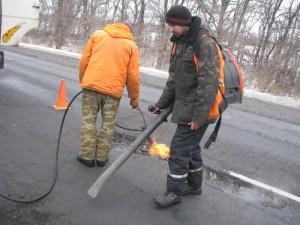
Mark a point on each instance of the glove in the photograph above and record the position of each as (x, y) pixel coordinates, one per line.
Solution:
(194, 125)
(154, 109)
(134, 102)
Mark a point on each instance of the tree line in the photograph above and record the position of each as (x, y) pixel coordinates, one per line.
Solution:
(264, 34)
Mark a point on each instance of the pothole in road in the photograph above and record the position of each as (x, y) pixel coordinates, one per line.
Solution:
(123, 139)
(243, 190)
(223, 181)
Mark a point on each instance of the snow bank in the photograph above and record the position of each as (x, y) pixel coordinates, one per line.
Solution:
(281, 100)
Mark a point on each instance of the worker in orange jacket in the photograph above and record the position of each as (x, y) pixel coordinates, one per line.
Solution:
(109, 62)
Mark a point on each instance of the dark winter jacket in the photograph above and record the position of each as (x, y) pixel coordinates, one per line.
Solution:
(191, 92)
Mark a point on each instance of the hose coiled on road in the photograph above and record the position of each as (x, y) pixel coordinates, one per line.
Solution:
(55, 173)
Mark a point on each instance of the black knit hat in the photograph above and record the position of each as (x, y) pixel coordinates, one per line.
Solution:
(179, 15)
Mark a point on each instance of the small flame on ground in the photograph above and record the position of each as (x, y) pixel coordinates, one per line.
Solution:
(160, 150)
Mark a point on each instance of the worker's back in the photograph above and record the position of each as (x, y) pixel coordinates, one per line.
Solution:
(110, 61)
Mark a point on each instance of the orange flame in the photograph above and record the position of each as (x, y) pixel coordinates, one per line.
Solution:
(160, 150)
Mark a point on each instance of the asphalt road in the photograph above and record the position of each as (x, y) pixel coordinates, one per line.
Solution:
(257, 139)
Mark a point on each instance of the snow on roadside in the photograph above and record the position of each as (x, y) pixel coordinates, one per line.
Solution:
(50, 50)
(280, 100)
(154, 72)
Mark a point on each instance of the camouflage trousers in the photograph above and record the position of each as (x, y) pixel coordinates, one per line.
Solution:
(95, 144)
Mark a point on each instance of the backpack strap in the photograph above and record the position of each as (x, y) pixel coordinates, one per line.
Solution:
(214, 134)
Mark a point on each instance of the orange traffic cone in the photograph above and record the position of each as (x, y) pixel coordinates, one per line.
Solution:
(61, 100)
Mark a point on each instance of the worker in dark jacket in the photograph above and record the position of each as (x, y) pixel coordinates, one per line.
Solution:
(191, 88)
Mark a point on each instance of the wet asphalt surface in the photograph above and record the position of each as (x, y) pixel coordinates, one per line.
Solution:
(257, 139)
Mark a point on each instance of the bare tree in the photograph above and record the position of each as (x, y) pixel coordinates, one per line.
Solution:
(238, 20)
(264, 34)
(59, 24)
(141, 18)
(163, 38)
(282, 52)
(224, 6)
(271, 8)
(207, 11)
(115, 8)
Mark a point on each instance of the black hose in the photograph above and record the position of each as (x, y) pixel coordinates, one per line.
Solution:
(56, 161)
(131, 129)
(57, 154)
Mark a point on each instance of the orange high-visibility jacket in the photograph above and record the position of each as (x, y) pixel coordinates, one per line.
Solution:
(110, 60)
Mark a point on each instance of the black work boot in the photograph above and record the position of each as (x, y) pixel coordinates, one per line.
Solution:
(167, 200)
(101, 163)
(189, 190)
(86, 162)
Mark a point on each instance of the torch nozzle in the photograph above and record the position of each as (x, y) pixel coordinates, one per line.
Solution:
(149, 140)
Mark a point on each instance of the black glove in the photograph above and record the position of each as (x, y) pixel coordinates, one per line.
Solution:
(154, 109)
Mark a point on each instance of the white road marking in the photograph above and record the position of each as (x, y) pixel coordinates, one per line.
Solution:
(265, 186)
